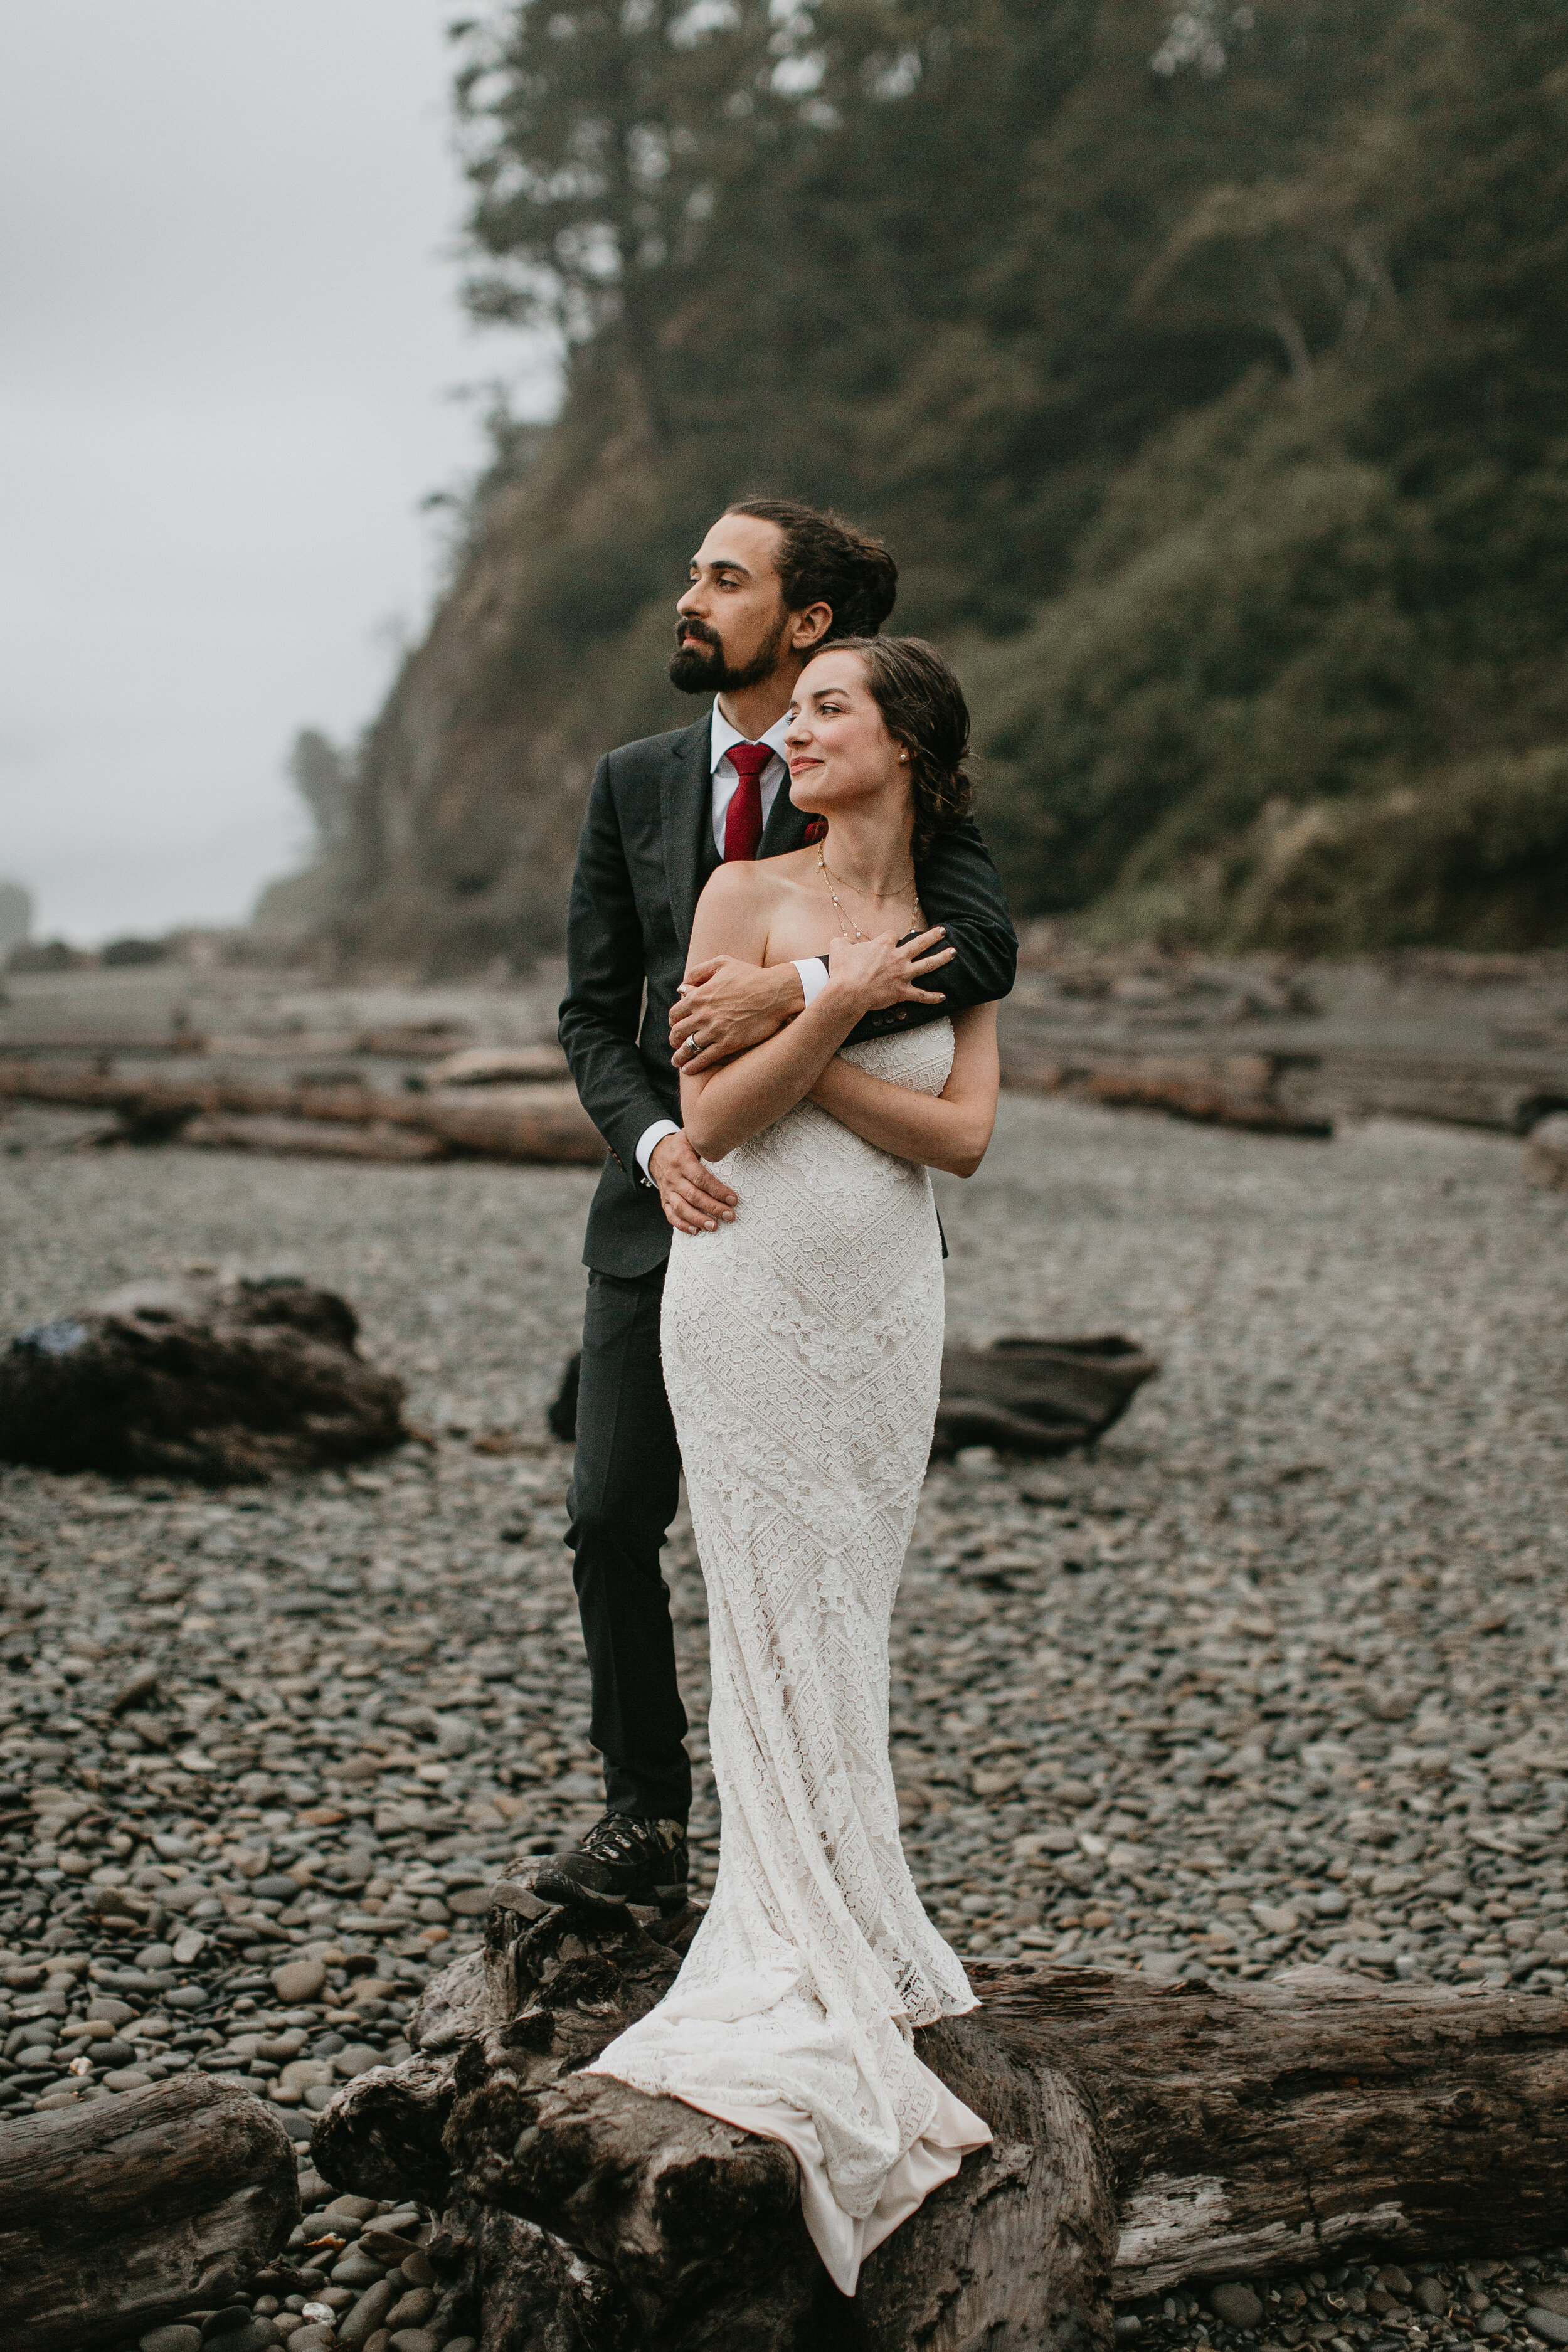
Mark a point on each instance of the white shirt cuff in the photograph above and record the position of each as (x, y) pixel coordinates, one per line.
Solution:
(813, 970)
(649, 1138)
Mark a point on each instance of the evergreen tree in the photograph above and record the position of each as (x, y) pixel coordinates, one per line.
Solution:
(1204, 366)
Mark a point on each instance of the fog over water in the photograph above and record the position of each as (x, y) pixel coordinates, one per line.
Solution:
(230, 339)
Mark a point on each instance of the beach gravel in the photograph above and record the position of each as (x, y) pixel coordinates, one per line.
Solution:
(1276, 1675)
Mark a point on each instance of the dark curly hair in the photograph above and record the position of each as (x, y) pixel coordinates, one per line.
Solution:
(923, 709)
(827, 561)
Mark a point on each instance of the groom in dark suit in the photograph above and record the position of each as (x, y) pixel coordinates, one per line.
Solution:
(772, 583)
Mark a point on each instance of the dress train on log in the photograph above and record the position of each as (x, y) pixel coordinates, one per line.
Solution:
(802, 1354)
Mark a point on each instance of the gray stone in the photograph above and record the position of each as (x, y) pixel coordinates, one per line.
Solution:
(298, 1980)
(255, 2336)
(416, 2340)
(368, 2313)
(171, 2339)
(357, 2269)
(1432, 2295)
(1235, 2303)
(1549, 2324)
(413, 2309)
(346, 2208)
(222, 2323)
(388, 2245)
(357, 2059)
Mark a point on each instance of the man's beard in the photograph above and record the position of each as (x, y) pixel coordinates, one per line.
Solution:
(695, 672)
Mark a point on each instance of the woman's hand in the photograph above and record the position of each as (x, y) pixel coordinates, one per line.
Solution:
(876, 973)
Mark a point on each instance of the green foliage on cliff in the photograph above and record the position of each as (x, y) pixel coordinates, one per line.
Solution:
(1205, 369)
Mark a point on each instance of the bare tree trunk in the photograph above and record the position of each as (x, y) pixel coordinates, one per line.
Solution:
(116, 2215)
(1145, 2133)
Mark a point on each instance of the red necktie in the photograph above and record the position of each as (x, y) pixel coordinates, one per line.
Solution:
(743, 817)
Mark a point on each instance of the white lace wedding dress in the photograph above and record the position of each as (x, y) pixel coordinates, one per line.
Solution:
(802, 1353)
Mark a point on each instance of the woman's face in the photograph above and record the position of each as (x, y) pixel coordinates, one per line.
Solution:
(841, 754)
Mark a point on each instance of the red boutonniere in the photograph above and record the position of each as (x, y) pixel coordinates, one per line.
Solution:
(817, 829)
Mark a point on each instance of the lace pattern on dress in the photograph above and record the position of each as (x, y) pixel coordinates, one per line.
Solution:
(802, 1353)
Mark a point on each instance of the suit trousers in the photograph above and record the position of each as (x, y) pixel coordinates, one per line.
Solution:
(625, 1484)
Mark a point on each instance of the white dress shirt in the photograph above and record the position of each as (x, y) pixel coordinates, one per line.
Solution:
(813, 970)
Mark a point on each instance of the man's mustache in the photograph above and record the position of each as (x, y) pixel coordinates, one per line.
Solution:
(697, 629)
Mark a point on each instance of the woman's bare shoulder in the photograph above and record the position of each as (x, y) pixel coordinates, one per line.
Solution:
(737, 905)
(744, 889)
(739, 882)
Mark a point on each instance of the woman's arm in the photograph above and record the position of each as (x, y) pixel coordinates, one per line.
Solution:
(720, 1108)
(950, 1131)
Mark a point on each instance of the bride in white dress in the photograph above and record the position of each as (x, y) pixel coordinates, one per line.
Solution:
(802, 1352)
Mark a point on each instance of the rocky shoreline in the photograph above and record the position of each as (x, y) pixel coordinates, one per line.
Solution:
(1274, 1677)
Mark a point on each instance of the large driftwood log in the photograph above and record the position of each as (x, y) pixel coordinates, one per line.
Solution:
(197, 1379)
(1546, 1153)
(1036, 1396)
(1028, 1396)
(308, 1138)
(119, 2214)
(1145, 2132)
(539, 1122)
(492, 1066)
(1218, 1090)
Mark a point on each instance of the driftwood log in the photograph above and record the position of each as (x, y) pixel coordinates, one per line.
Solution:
(308, 1138)
(1146, 2132)
(428, 1041)
(1028, 1396)
(1546, 1153)
(1219, 1090)
(197, 1379)
(120, 2214)
(492, 1066)
(538, 1122)
(1037, 1396)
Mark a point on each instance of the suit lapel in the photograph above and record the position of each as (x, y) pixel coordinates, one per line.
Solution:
(686, 799)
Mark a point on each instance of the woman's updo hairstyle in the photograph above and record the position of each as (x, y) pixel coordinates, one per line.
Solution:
(923, 709)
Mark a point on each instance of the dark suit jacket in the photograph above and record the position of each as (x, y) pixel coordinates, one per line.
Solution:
(645, 851)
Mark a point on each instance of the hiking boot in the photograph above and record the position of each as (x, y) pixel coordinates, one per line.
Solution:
(621, 1860)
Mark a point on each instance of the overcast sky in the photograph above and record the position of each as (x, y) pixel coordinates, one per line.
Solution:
(230, 337)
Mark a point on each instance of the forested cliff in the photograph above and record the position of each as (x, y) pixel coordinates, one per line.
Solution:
(1207, 372)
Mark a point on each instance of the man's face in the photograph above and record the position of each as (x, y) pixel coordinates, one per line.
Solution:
(734, 629)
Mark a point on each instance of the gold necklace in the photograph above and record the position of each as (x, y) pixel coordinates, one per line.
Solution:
(846, 923)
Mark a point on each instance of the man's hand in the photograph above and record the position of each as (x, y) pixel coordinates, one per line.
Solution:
(725, 1005)
(690, 1195)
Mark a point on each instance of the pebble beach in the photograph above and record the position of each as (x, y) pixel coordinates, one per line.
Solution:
(1272, 1676)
